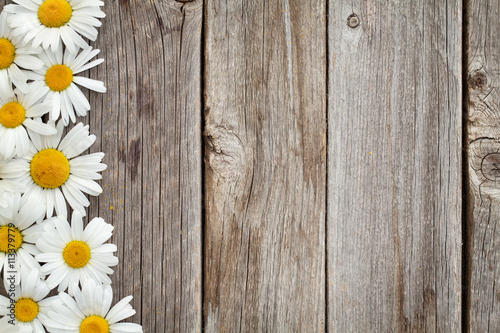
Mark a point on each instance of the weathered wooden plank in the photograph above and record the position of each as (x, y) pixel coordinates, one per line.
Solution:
(265, 89)
(149, 126)
(394, 166)
(483, 147)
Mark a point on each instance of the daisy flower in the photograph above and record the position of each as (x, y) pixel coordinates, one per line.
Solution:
(49, 22)
(18, 233)
(52, 168)
(89, 311)
(74, 255)
(13, 53)
(28, 301)
(18, 112)
(59, 81)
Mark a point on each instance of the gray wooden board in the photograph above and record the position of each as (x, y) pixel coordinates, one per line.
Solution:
(394, 166)
(483, 147)
(149, 125)
(265, 135)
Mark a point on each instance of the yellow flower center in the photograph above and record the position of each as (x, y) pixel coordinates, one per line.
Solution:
(94, 324)
(49, 168)
(7, 53)
(59, 77)
(76, 254)
(11, 239)
(12, 114)
(54, 13)
(26, 310)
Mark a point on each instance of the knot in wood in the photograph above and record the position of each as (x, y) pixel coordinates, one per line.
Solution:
(225, 152)
(484, 165)
(353, 21)
(490, 166)
(478, 80)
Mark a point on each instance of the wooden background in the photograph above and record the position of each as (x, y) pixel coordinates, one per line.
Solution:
(273, 169)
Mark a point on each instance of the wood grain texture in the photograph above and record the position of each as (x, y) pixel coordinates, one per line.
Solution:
(483, 147)
(149, 126)
(265, 134)
(394, 167)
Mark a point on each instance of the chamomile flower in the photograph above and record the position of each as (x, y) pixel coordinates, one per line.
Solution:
(14, 54)
(53, 168)
(60, 82)
(28, 301)
(48, 22)
(18, 235)
(74, 255)
(89, 311)
(18, 112)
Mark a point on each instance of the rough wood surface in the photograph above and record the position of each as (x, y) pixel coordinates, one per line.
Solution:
(149, 126)
(483, 147)
(265, 134)
(394, 167)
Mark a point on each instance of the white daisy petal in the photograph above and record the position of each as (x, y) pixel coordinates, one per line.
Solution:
(120, 311)
(78, 195)
(18, 78)
(27, 4)
(126, 328)
(85, 185)
(104, 248)
(39, 127)
(76, 226)
(75, 198)
(107, 299)
(51, 201)
(60, 203)
(56, 276)
(38, 110)
(37, 92)
(89, 66)
(90, 84)
(71, 305)
(56, 106)
(79, 97)
(5, 82)
(22, 141)
(28, 61)
(4, 26)
(67, 38)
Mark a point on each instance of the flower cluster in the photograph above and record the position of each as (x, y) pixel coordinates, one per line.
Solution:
(43, 172)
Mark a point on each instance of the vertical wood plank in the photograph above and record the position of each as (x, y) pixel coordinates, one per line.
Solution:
(394, 167)
(149, 126)
(265, 134)
(483, 148)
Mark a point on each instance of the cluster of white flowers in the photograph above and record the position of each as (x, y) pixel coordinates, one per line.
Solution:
(42, 172)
